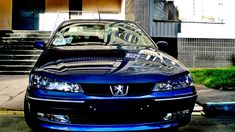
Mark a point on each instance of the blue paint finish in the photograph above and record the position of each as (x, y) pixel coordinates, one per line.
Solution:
(39, 44)
(94, 78)
(109, 128)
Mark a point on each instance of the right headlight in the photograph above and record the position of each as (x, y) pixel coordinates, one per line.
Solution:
(179, 83)
(40, 82)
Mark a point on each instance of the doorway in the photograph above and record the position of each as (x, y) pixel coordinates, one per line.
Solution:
(26, 14)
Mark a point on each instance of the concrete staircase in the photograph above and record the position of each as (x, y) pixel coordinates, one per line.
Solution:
(17, 52)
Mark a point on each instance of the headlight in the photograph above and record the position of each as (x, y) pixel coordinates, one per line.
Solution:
(52, 84)
(179, 83)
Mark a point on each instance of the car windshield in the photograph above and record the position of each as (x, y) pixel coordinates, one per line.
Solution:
(119, 33)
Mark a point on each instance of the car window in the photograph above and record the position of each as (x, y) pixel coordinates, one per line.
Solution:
(79, 33)
(129, 34)
(119, 33)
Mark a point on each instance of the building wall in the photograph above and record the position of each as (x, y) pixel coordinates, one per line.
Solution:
(104, 6)
(56, 5)
(130, 10)
(47, 18)
(138, 11)
(50, 19)
(206, 52)
(5, 14)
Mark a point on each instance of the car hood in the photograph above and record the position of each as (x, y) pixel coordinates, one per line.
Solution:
(107, 63)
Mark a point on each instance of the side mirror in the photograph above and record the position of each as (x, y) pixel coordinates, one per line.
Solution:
(162, 45)
(39, 44)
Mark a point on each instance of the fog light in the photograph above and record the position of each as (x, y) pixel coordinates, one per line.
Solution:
(168, 116)
(183, 113)
(176, 115)
(53, 117)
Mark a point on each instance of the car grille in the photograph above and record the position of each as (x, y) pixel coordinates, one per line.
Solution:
(137, 89)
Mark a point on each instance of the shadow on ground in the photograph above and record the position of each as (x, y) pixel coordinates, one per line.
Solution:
(13, 124)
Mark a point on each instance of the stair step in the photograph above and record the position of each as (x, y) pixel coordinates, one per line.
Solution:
(18, 57)
(17, 47)
(31, 32)
(15, 51)
(26, 33)
(16, 42)
(30, 35)
(24, 38)
(17, 62)
(26, 60)
(16, 67)
(14, 72)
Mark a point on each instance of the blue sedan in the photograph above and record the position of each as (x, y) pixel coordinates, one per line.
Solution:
(106, 75)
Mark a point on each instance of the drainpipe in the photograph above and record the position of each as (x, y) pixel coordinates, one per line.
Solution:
(150, 20)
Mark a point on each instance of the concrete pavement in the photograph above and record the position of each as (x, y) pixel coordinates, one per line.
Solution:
(216, 102)
(12, 91)
(210, 95)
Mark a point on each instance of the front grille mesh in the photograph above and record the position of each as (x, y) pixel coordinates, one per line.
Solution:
(137, 89)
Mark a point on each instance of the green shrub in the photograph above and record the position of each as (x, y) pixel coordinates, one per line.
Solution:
(215, 77)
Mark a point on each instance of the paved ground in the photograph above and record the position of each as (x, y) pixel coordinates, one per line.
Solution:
(210, 95)
(12, 90)
(204, 124)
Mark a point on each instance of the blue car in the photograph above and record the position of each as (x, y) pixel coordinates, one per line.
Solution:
(106, 75)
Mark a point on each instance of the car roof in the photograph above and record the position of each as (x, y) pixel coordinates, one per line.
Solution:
(93, 21)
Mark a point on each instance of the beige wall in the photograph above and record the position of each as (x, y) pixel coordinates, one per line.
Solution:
(56, 5)
(5, 14)
(111, 6)
(52, 6)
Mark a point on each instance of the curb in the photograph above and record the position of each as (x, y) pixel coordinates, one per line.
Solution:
(11, 113)
(219, 108)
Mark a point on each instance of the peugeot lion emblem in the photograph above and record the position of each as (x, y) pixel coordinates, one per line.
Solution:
(119, 90)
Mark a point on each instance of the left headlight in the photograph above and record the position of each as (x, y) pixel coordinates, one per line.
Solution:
(179, 83)
(52, 84)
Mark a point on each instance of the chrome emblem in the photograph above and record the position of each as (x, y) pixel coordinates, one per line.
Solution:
(119, 90)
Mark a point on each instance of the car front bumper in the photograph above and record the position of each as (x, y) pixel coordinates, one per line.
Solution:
(111, 128)
(132, 114)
